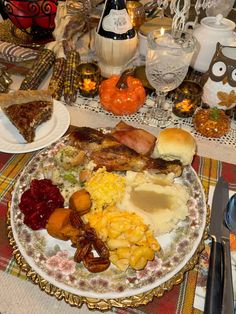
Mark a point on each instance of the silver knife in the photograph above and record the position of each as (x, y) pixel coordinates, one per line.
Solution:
(228, 293)
(213, 302)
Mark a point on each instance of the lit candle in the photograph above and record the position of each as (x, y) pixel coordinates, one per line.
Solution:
(89, 79)
(162, 31)
(184, 109)
(186, 98)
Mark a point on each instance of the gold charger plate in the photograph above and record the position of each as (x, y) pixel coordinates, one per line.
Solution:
(29, 250)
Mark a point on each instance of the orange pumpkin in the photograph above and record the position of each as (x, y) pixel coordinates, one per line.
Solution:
(122, 95)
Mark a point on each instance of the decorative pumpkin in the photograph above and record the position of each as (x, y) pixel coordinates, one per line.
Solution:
(122, 95)
(211, 122)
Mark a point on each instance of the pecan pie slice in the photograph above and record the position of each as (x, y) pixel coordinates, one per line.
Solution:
(27, 110)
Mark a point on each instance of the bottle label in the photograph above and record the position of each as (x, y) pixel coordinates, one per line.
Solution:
(117, 21)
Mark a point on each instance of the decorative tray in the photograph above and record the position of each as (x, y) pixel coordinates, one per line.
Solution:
(49, 263)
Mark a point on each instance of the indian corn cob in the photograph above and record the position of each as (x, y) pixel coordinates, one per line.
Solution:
(56, 83)
(71, 77)
(39, 70)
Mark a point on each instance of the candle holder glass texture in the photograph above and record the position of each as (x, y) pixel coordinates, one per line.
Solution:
(136, 12)
(186, 98)
(89, 77)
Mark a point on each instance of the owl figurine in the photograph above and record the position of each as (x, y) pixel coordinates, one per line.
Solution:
(219, 82)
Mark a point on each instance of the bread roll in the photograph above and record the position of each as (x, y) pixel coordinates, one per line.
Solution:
(175, 143)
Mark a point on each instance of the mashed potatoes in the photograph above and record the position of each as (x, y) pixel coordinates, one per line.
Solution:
(157, 198)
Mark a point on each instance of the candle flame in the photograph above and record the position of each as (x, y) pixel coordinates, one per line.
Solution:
(185, 105)
(162, 31)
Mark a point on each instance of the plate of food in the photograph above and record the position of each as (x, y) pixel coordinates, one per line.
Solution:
(102, 218)
(31, 120)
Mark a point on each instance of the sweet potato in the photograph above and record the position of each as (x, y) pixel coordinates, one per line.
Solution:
(57, 221)
(71, 233)
(80, 201)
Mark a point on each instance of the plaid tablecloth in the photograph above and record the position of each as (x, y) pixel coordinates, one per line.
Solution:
(181, 298)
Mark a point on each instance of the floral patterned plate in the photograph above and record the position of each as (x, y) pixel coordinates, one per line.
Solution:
(51, 260)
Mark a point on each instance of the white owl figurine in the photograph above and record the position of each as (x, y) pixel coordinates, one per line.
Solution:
(219, 82)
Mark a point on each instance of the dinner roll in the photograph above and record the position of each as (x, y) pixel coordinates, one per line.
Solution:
(175, 143)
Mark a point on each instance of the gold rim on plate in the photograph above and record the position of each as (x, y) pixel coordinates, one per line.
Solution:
(104, 304)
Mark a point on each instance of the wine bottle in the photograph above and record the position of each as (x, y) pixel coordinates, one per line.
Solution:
(115, 38)
(115, 22)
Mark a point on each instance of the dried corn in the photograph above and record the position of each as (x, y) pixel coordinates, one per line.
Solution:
(39, 70)
(71, 77)
(57, 80)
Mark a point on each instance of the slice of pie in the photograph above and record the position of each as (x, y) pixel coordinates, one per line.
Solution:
(27, 110)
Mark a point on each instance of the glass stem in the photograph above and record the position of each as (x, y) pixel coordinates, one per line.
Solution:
(159, 103)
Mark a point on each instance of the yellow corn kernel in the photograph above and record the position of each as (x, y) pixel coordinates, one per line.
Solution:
(105, 188)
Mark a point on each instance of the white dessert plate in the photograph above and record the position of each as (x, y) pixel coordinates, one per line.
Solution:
(11, 141)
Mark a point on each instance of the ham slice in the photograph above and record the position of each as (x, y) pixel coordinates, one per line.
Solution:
(139, 140)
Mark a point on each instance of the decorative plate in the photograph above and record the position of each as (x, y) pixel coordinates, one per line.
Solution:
(11, 140)
(49, 262)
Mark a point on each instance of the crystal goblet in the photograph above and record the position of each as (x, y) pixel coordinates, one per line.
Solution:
(168, 57)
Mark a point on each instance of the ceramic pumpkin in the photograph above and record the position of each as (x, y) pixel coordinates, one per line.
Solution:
(211, 122)
(219, 81)
(122, 95)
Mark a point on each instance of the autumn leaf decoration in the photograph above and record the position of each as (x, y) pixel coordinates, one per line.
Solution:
(227, 99)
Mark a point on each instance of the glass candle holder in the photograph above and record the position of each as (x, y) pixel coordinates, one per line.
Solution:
(136, 12)
(186, 98)
(89, 77)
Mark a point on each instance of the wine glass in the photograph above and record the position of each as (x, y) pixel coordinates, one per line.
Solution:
(169, 53)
